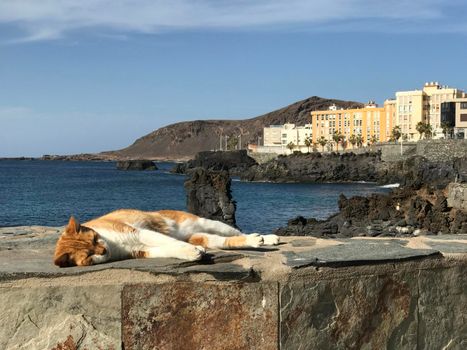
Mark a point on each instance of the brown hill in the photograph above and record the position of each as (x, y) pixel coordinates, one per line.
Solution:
(183, 140)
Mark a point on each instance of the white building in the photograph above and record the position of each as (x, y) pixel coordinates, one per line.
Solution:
(277, 137)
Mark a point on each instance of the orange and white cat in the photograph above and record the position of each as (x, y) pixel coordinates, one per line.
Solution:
(129, 233)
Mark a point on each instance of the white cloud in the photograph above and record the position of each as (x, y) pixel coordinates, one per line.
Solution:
(52, 19)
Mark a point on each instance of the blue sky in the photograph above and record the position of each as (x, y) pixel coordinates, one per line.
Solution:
(98, 75)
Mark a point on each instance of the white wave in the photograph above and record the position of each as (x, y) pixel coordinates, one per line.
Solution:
(390, 185)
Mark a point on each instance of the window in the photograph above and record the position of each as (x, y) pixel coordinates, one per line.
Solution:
(463, 117)
(463, 105)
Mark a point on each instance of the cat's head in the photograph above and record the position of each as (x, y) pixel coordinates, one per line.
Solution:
(77, 245)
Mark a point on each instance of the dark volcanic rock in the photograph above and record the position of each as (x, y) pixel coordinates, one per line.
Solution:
(209, 195)
(317, 167)
(137, 164)
(179, 168)
(235, 162)
(86, 157)
(17, 158)
(401, 212)
(417, 172)
(414, 172)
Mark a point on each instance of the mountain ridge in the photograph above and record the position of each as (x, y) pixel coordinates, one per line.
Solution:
(182, 140)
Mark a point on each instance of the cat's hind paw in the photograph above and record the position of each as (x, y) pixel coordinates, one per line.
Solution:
(254, 240)
(271, 239)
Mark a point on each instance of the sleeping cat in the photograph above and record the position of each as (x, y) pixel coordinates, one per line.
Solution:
(129, 233)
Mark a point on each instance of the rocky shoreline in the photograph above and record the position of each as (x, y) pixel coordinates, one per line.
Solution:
(422, 205)
(403, 212)
(419, 207)
(138, 165)
(317, 167)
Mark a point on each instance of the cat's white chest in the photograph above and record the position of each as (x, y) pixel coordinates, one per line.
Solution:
(119, 244)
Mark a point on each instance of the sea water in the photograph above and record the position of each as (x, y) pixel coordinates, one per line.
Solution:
(49, 192)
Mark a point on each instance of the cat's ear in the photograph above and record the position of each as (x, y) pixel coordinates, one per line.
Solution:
(73, 226)
(62, 260)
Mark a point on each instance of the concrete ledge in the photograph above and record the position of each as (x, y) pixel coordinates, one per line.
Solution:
(306, 293)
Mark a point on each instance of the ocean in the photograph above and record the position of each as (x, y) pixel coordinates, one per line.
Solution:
(49, 192)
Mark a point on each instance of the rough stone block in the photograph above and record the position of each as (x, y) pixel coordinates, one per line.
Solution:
(377, 312)
(457, 195)
(442, 309)
(356, 252)
(60, 318)
(200, 316)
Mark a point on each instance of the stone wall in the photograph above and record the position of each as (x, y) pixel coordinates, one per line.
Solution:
(391, 152)
(433, 150)
(409, 309)
(442, 150)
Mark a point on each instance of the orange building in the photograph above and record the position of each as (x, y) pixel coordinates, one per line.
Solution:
(390, 110)
(367, 122)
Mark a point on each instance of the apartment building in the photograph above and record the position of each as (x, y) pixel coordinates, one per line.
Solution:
(390, 110)
(424, 106)
(454, 115)
(368, 122)
(461, 117)
(277, 137)
(272, 135)
(282, 135)
(435, 94)
(410, 111)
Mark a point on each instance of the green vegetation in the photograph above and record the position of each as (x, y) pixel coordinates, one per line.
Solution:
(232, 143)
(447, 129)
(323, 142)
(359, 140)
(396, 133)
(353, 140)
(308, 142)
(424, 129)
(338, 138)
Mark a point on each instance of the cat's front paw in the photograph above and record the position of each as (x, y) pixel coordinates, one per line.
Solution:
(99, 259)
(254, 240)
(271, 240)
